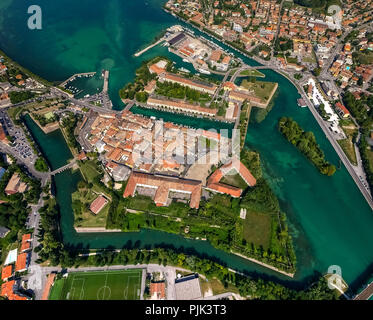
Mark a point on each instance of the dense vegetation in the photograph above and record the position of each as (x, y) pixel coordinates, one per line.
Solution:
(19, 96)
(69, 123)
(317, 3)
(305, 143)
(41, 165)
(366, 156)
(51, 247)
(362, 110)
(143, 77)
(15, 209)
(175, 90)
(43, 120)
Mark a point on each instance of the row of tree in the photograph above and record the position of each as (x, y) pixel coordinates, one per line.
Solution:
(175, 90)
(305, 143)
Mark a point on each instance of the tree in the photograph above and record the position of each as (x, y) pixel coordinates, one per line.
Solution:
(41, 165)
(317, 71)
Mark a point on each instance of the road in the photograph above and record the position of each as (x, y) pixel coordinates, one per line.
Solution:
(277, 30)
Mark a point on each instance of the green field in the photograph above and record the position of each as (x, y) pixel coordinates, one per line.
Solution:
(89, 170)
(234, 179)
(257, 229)
(84, 218)
(252, 73)
(261, 89)
(349, 149)
(99, 285)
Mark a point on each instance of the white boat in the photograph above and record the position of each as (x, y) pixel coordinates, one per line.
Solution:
(185, 60)
(184, 70)
(204, 71)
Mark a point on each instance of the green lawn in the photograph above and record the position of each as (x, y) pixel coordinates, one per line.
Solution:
(348, 148)
(252, 73)
(364, 57)
(234, 179)
(309, 59)
(292, 60)
(99, 285)
(14, 112)
(89, 170)
(88, 219)
(257, 229)
(216, 286)
(261, 89)
(370, 158)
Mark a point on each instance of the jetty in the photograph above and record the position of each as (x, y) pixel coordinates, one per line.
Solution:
(106, 80)
(77, 75)
(138, 54)
(366, 294)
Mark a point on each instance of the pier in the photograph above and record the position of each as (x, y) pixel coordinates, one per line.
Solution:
(73, 77)
(138, 54)
(106, 81)
(366, 293)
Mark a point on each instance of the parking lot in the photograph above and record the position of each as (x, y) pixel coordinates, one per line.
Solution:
(20, 143)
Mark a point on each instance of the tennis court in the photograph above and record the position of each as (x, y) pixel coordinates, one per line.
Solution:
(99, 285)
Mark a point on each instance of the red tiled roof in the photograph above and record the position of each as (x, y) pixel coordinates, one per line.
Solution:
(7, 291)
(25, 246)
(98, 204)
(213, 182)
(164, 184)
(7, 272)
(189, 82)
(342, 107)
(21, 263)
(155, 69)
(82, 156)
(222, 188)
(26, 237)
(158, 289)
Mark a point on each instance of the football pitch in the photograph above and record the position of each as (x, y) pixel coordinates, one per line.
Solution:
(99, 285)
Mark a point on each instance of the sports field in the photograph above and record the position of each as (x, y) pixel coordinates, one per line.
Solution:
(99, 285)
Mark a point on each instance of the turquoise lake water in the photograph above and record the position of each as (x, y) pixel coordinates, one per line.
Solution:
(330, 221)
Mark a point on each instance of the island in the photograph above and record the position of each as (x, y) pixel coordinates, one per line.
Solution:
(306, 143)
